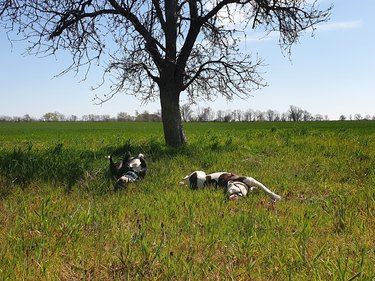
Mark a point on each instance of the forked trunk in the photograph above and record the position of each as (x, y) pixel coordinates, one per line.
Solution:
(171, 116)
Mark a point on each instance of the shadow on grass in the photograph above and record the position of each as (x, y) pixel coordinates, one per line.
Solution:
(68, 166)
(152, 148)
(55, 164)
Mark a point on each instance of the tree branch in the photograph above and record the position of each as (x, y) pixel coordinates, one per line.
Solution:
(195, 25)
(159, 14)
(151, 43)
(200, 70)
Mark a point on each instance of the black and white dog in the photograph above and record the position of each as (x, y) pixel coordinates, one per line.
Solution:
(129, 169)
(235, 186)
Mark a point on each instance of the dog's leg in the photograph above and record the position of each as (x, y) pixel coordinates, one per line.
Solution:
(250, 182)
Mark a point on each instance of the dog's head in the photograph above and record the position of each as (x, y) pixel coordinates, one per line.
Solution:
(122, 182)
(236, 190)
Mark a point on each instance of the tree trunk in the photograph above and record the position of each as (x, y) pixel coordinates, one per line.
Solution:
(171, 116)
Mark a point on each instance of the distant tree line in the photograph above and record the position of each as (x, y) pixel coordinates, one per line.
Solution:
(59, 117)
(294, 114)
(199, 114)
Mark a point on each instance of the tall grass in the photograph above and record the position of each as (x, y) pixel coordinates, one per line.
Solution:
(61, 218)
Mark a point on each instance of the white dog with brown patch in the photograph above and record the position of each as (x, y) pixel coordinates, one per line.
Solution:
(236, 186)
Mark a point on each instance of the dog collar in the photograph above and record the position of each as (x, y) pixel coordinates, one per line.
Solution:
(131, 175)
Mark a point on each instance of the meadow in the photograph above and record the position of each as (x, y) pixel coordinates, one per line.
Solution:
(60, 218)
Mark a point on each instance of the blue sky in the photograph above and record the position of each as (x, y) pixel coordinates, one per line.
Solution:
(331, 74)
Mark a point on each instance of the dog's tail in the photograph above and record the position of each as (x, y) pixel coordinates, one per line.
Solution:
(184, 180)
(250, 182)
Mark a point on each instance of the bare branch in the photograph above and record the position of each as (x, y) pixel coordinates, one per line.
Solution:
(139, 41)
(159, 13)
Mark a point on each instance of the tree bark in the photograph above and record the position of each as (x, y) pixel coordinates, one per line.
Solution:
(171, 116)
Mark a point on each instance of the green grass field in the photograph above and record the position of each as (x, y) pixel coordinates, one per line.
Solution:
(61, 219)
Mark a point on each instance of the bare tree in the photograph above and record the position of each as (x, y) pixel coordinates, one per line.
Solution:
(237, 115)
(284, 117)
(72, 118)
(205, 114)
(249, 115)
(27, 118)
(270, 115)
(319, 117)
(295, 113)
(307, 116)
(228, 117)
(157, 48)
(123, 116)
(358, 117)
(186, 112)
(260, 115)
(220, 115)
